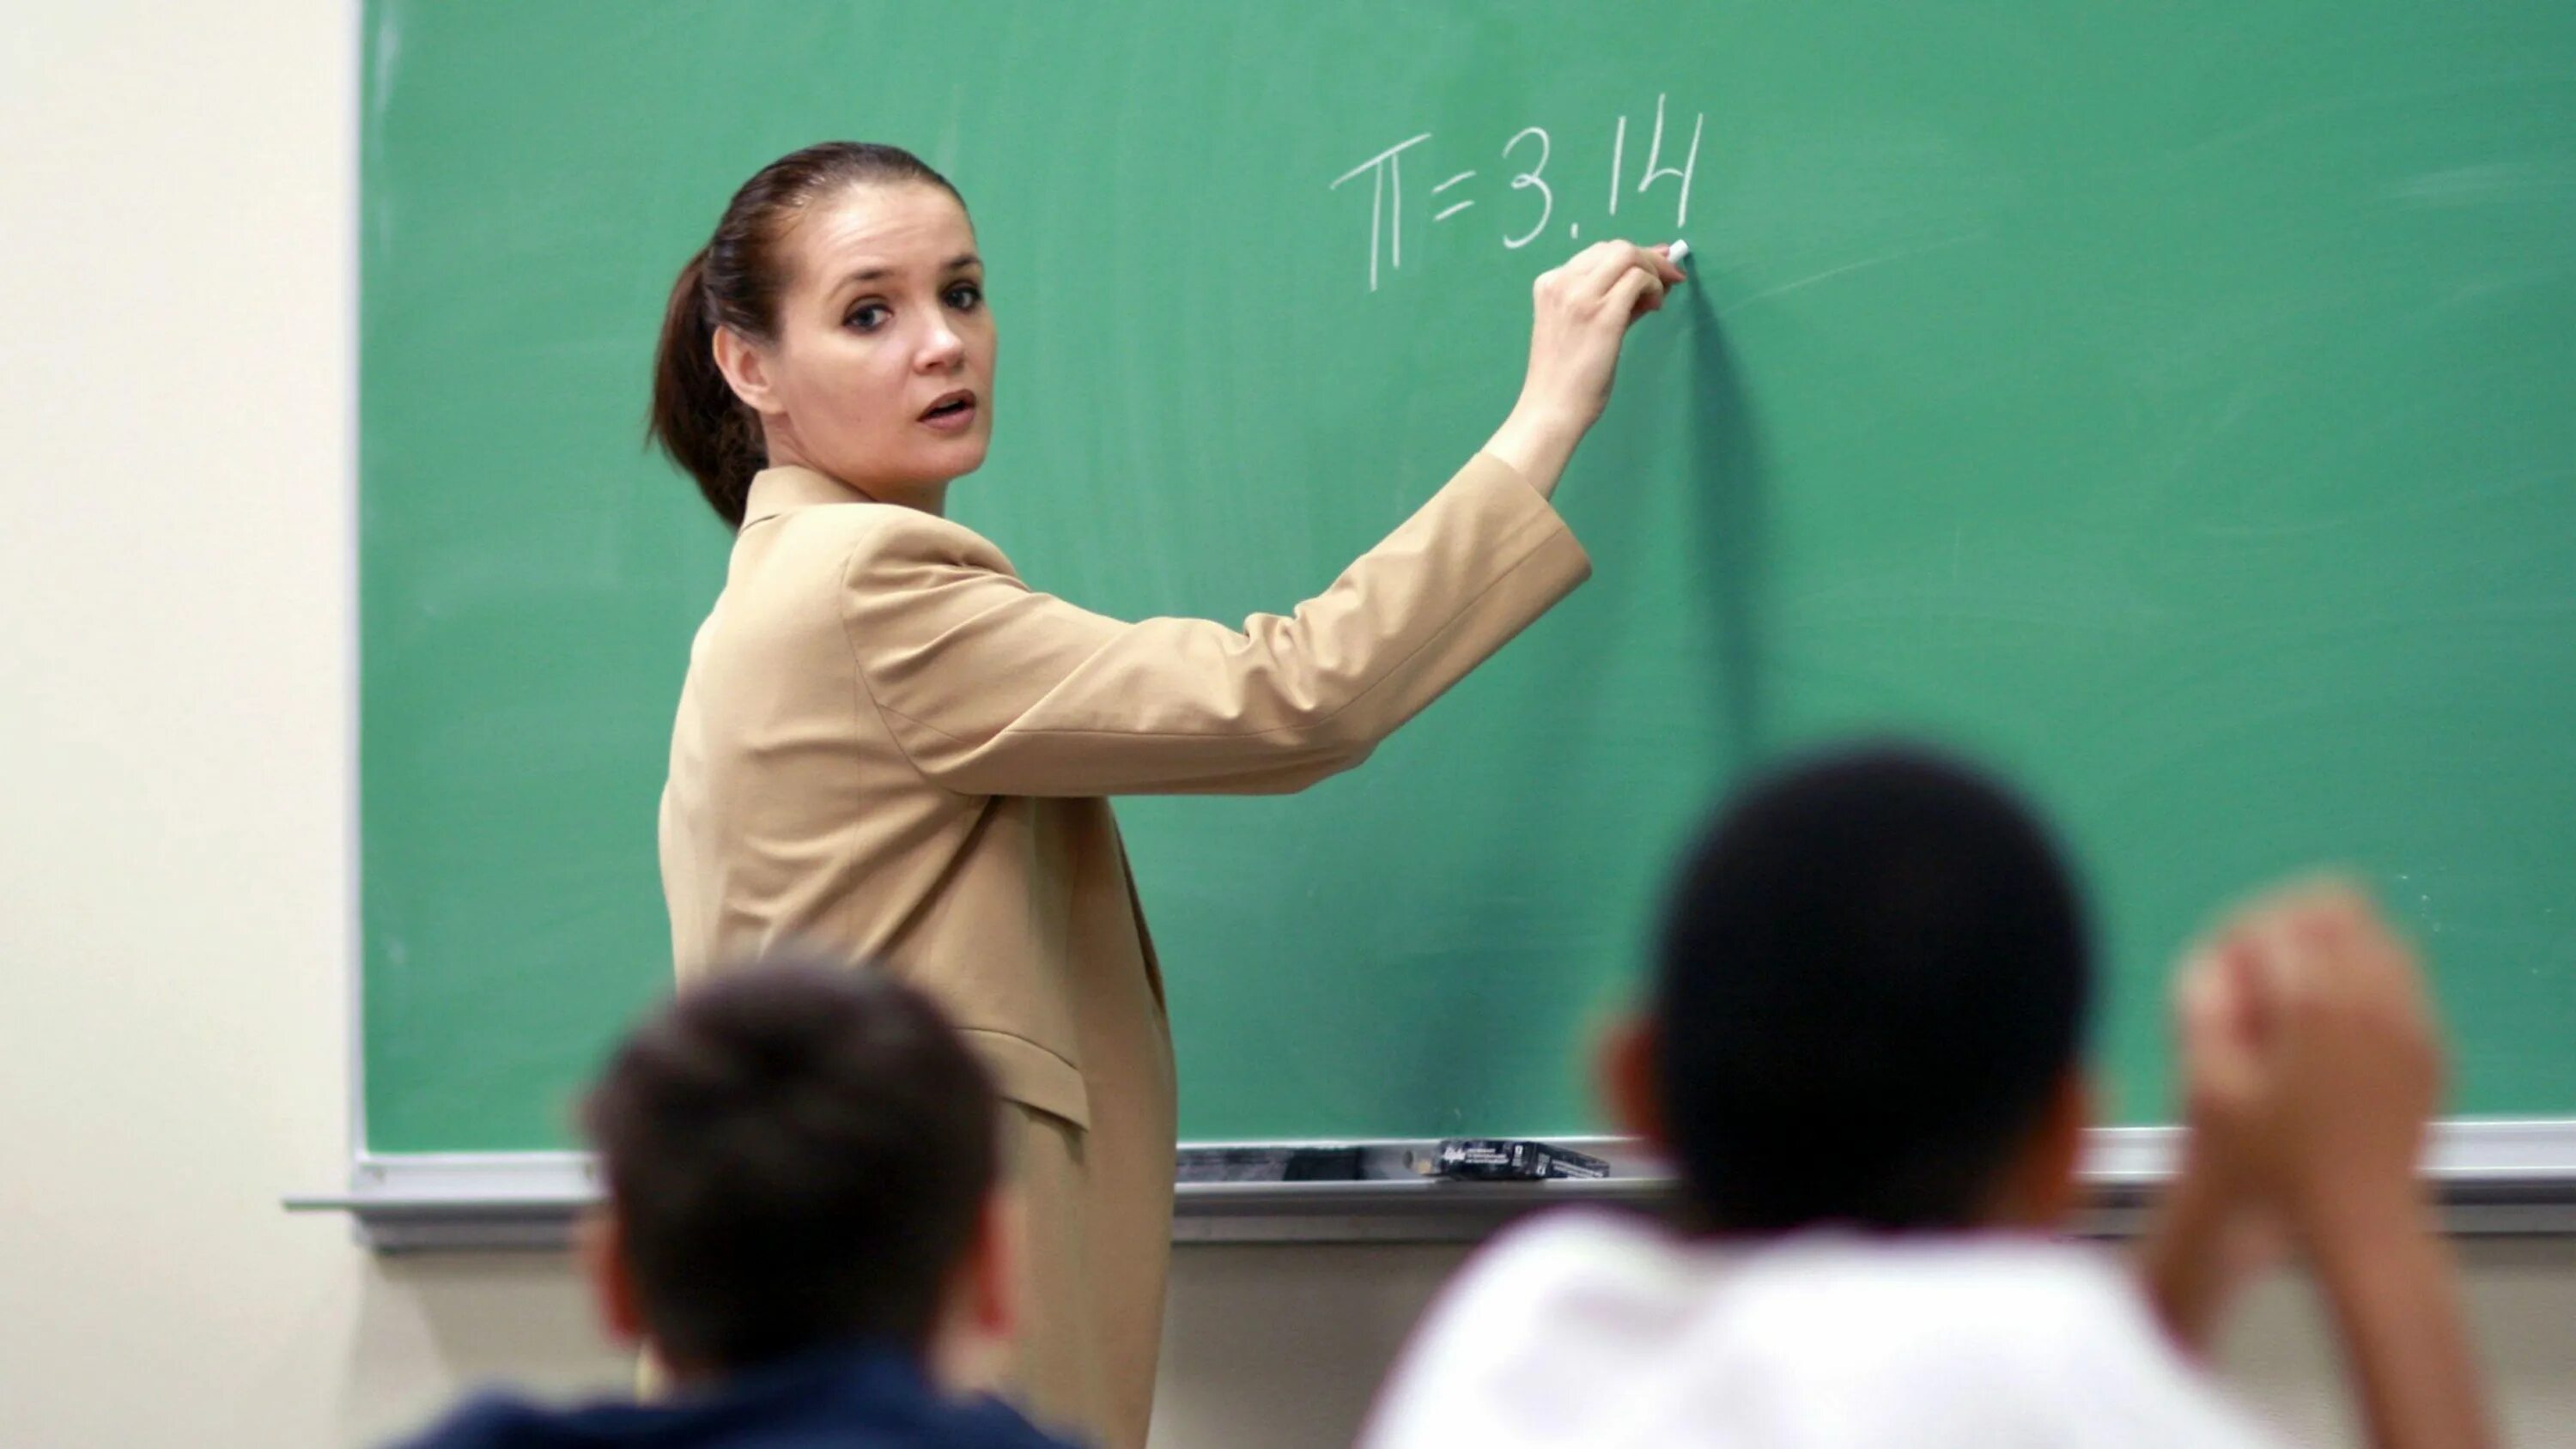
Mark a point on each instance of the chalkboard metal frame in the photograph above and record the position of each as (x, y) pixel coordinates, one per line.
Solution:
(2494, 1177)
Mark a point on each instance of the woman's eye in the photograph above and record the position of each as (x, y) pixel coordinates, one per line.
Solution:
(867, 318)
(966, 296)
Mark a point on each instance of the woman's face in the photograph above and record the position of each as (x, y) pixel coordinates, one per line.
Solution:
(881, 374)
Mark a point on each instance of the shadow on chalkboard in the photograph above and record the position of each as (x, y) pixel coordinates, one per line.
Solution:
(1727, 491)
(1686, 452)
(1703, 527)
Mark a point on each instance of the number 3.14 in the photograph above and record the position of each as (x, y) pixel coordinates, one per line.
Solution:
(1530, 149)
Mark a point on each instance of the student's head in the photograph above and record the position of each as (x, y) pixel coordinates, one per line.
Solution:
(797, 1156)
(1869, 1007)
(835, 320)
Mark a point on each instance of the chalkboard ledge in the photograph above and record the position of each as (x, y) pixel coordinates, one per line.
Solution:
(2494, 1176)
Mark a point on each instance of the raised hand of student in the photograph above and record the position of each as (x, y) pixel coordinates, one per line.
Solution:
(2312, 1069)
(2218, 1227)
(2348, 1071)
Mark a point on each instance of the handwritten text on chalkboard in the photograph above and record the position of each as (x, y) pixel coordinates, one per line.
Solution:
(1525, 156)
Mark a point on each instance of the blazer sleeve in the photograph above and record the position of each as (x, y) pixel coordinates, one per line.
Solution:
(990, 687)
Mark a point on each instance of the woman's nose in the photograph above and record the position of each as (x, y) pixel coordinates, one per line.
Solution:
(940, 349)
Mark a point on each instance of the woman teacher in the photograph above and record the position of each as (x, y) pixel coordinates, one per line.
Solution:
(890, 746)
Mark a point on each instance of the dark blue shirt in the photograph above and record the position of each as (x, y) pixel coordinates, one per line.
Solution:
(866, 1398)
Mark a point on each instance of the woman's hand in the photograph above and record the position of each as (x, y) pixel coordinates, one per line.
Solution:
(1581, 314)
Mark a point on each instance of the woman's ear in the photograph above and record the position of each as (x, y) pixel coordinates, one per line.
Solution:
(1626, 1075)
(746, 370)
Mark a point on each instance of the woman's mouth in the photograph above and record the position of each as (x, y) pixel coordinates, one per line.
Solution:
(953, 413)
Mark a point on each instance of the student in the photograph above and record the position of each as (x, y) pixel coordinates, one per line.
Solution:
(803, 1217)
(890, 745)
(1862, 1054)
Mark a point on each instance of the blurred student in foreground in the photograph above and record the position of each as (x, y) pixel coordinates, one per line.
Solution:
(1863, 1055)
(803, 1219)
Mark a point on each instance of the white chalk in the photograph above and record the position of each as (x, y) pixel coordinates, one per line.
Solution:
(1677, 252)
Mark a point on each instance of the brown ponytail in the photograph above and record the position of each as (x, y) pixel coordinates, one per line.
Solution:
(735, 281)
(696, 418)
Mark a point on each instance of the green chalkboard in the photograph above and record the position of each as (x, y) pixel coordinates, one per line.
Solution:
(2174, 404)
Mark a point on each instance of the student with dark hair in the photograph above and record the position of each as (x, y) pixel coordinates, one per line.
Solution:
(1863, 1054)
(802, 1216)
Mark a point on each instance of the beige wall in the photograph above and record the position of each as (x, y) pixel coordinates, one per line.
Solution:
(175, 282)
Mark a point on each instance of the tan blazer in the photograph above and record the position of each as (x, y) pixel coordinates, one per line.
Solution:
(888, 744)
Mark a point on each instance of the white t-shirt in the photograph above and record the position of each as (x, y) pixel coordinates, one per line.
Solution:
(1594, 1328)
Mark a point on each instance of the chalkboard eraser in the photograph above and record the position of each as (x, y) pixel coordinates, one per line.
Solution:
(1493, 1159)
(1323, 1164)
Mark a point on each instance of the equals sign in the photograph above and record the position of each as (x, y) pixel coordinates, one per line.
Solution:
(1457, 207)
